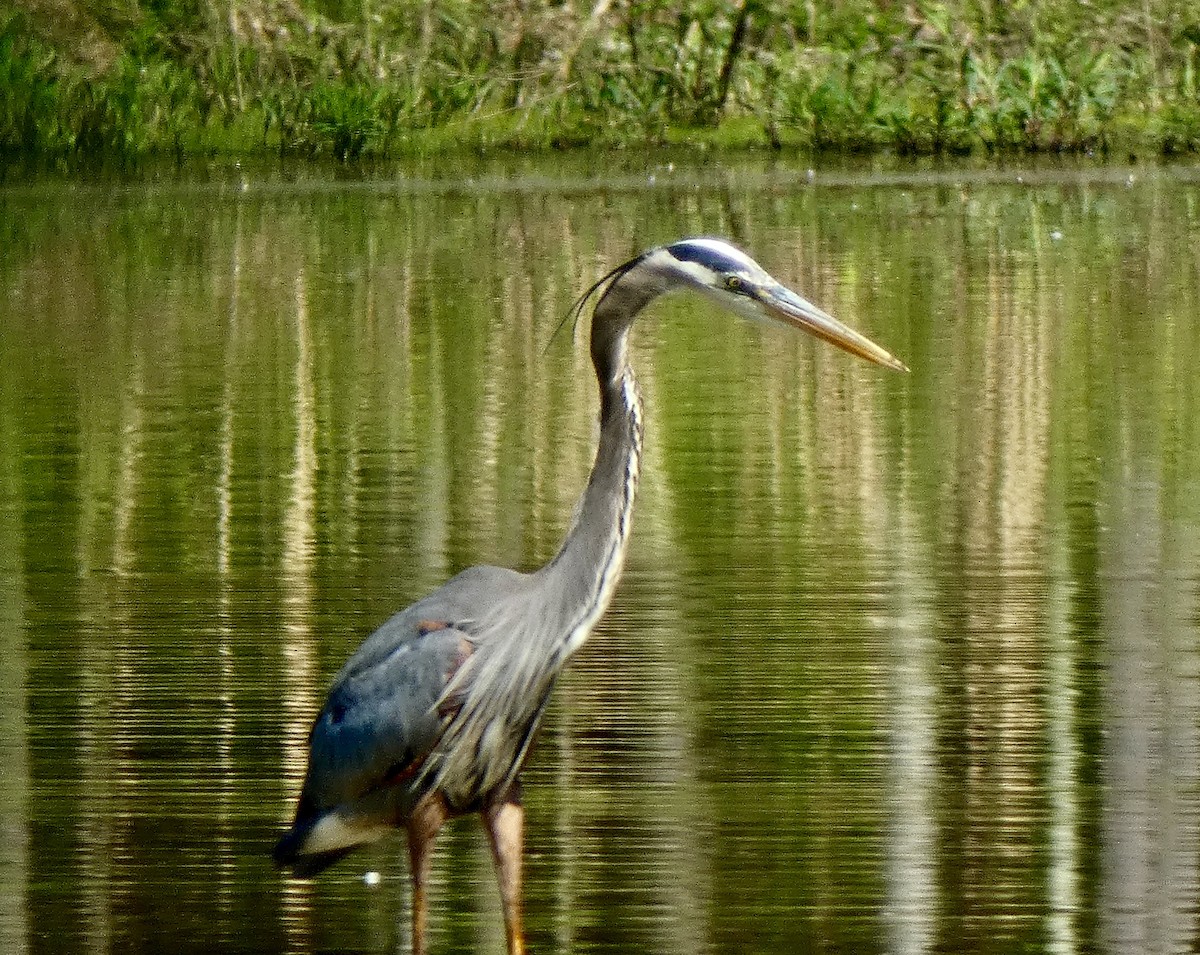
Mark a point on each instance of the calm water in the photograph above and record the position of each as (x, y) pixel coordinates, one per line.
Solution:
(899, 663)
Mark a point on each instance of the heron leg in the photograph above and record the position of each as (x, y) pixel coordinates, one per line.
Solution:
(504, 820)
(423, 826)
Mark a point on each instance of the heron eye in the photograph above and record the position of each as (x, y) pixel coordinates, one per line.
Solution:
(733, 283)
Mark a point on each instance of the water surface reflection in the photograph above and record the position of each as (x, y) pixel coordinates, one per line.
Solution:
(900, 663)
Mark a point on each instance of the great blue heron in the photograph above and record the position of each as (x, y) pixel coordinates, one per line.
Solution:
(434, 714)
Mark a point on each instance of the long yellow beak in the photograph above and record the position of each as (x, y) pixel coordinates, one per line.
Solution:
(784, 304)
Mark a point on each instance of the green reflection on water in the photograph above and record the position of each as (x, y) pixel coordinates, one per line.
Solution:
(899, 662)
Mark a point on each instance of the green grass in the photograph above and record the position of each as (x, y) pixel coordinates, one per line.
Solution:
(954, 77)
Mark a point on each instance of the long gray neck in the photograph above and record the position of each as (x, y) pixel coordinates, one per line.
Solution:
(584, 574)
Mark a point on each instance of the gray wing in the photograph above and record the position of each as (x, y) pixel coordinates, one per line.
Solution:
(381, 721)
(382, 717)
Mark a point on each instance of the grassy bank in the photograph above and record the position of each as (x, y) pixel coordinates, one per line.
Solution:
(124, 78)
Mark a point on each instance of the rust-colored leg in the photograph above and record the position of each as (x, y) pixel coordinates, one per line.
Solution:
(505, 824)
(423, 826)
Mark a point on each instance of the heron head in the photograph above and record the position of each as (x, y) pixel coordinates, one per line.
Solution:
(731, 278)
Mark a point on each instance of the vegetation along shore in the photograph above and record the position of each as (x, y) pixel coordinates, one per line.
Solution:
(363, 78)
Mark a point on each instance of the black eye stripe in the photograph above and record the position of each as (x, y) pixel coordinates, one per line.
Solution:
(704, 255)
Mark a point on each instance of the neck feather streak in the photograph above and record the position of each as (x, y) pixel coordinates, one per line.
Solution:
(586, 570)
